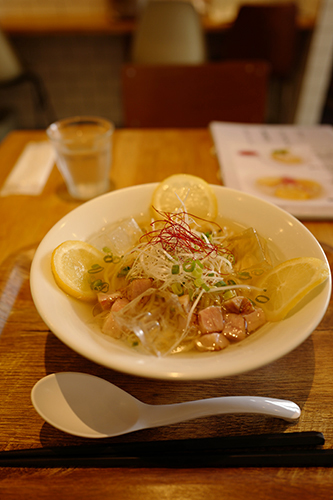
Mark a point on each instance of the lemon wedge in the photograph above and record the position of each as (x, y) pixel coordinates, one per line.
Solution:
(70, 263)
(286, 284)
(197, 195)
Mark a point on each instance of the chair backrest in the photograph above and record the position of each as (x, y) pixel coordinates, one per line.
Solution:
(194, 95)
(10, 66)
(264, 31)
(169, 33)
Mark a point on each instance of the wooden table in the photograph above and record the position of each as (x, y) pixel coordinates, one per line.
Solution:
(28, 351)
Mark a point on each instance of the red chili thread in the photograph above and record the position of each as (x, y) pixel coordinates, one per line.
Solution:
(178, 235)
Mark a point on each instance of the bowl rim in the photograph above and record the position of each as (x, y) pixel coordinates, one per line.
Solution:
(166, 368)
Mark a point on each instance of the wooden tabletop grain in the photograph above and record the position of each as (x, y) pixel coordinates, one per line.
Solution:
(28, 351)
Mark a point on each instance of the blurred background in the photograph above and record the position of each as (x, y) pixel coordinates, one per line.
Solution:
(72, 53)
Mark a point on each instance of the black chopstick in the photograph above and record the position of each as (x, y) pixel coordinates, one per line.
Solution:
(310, 438)
(303, 458)
(122, 453)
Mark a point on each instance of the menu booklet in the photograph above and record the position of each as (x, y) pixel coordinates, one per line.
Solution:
(288, 165)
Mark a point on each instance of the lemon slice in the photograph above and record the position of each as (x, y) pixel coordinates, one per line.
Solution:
(289, 282)
(70, 263)
(197, 195)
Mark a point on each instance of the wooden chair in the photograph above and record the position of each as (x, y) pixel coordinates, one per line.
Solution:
(169, 33)
(13, 74)
(264, 31)
(194, 95)
(269, 32)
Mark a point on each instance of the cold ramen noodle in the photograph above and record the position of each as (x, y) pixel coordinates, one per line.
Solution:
(183, 284)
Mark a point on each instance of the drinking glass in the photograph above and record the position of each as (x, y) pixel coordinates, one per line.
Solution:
(83, 146)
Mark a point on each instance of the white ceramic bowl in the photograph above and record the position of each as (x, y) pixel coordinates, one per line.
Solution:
(70, 320)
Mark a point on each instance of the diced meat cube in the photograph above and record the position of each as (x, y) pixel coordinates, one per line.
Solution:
(119, 304)
(107, 299)
(211, 319)
(110, 327)
(185, 302)
(212, 342)
(239, 305)
(233, 305)
(255, 319)
(137, 287)
(234, 327)
(192, 326)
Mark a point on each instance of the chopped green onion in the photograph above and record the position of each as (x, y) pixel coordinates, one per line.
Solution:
(198, 282)
(229, 294)
(95, 268)
(189, 266)
(177, 288)
(231, 282)
(262, 299)
(175, 269)
(197, 273)
(220, 283)
(201, 284)
(100, 286)
(123, 271)
(108, 258)
(244, 275)
(211, 275)
(198, 263)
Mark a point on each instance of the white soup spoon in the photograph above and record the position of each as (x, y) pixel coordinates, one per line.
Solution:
(91, 407)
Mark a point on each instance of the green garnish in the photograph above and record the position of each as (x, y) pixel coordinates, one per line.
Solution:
(175, 269)
(99, 286)
(199, 282)
(229, 294)
(189, 266)
(197, 273)
(110, 257)
(220, 283)
(198, 263)
(262, 299)
(244, 275)
(95, 268)
(177, 288)
(123, 272)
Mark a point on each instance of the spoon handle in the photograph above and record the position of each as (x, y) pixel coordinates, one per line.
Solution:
(155, 416)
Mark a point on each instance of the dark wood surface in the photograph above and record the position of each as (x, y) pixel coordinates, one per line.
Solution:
(28, 351)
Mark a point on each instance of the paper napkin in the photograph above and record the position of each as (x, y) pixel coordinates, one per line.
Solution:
(31, 171)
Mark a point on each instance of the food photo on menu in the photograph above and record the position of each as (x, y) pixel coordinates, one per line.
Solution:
(286, 165)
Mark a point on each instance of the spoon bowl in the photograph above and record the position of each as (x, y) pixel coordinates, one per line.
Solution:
(88, 406)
